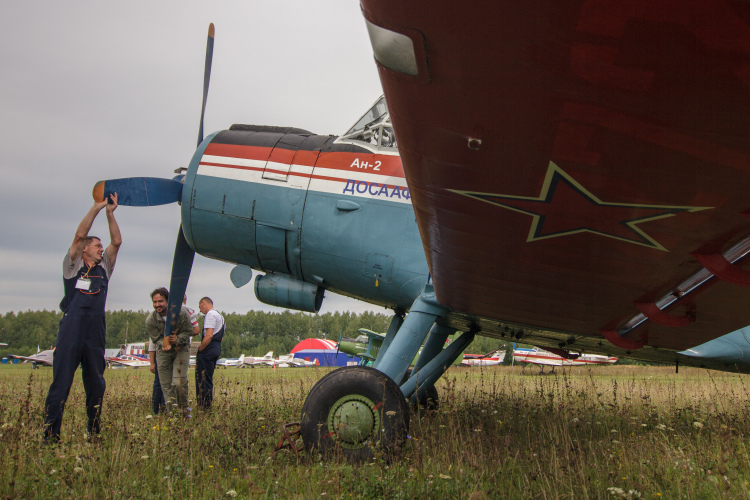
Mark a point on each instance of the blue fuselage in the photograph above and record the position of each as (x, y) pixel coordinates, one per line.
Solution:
(306, 207)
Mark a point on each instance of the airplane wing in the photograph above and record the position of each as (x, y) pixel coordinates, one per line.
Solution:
(43, 358)
(578, 170)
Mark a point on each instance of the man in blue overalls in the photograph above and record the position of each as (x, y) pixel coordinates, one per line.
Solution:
(86, 270)
(208, 353)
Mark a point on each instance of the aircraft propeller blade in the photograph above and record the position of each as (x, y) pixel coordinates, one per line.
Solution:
(182, 264)
(206, 76)
(139, 191)
(150, 191)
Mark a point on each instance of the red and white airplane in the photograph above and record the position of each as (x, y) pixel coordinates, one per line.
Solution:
(131, 356)
(491, 359)
(544, 358)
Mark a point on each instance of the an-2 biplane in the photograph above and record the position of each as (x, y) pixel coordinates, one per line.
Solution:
(574, 175)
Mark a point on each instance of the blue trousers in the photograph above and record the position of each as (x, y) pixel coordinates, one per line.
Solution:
(80, 341)
(205, 363)
(157, 396)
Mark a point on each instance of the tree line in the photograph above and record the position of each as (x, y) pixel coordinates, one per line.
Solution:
(252, 334)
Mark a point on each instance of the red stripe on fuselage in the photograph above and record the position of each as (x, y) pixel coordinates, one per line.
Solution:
(296, 174)
(384, 165)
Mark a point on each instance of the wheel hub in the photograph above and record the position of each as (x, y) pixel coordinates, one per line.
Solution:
(353, 420)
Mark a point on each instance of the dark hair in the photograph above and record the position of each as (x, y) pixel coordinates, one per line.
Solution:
(160, 291)
(206, 299)
(88, 239)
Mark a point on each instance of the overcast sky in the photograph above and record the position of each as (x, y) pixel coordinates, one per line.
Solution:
(100, 90)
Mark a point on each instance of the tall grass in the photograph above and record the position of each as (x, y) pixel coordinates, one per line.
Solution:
(619, 431)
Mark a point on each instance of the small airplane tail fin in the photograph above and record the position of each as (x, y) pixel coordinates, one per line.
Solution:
(269, 354)
(242, 359)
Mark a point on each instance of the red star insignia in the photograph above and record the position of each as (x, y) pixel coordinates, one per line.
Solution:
(565, 207)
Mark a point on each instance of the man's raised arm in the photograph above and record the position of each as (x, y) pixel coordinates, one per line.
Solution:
(76, 248)
(115, 239)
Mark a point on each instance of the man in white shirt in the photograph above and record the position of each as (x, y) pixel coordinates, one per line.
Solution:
(208, 352)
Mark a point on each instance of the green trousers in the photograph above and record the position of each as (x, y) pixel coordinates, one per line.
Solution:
(173, 375)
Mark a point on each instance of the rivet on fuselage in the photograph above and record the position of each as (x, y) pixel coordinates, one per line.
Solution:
(474, 143)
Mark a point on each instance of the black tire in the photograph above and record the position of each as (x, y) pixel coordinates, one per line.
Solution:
(371, 403)
(429, 401)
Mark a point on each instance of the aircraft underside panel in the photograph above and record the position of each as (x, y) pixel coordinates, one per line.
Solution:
(578, 166)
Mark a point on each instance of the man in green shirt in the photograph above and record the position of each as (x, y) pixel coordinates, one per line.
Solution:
(172, 360)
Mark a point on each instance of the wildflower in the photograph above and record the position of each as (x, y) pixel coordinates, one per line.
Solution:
(77, 470)
(444, 476)
(575, 420)
(613, 431)
(144, 457)
(390, 413)
(615, 491)
(53, 471)
(661, 427)
(644, 425)
(232, 493)
(697, 425)
(149, 417)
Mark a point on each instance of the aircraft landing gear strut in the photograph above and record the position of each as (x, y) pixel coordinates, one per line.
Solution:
(358, 411)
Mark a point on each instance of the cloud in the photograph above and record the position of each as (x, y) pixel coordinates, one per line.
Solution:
(93, 91)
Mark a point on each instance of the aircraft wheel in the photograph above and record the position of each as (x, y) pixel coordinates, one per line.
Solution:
(429, 401)
(355, 411)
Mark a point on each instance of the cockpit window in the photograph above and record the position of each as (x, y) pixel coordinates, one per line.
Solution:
(374, 127)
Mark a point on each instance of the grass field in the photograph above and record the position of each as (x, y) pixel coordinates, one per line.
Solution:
(605, 432)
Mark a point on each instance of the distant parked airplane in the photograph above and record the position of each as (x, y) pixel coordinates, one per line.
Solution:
(235, 362)
(491, 359)
(283, 361)
(43, 358)
(544, 358)
(130, 356)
